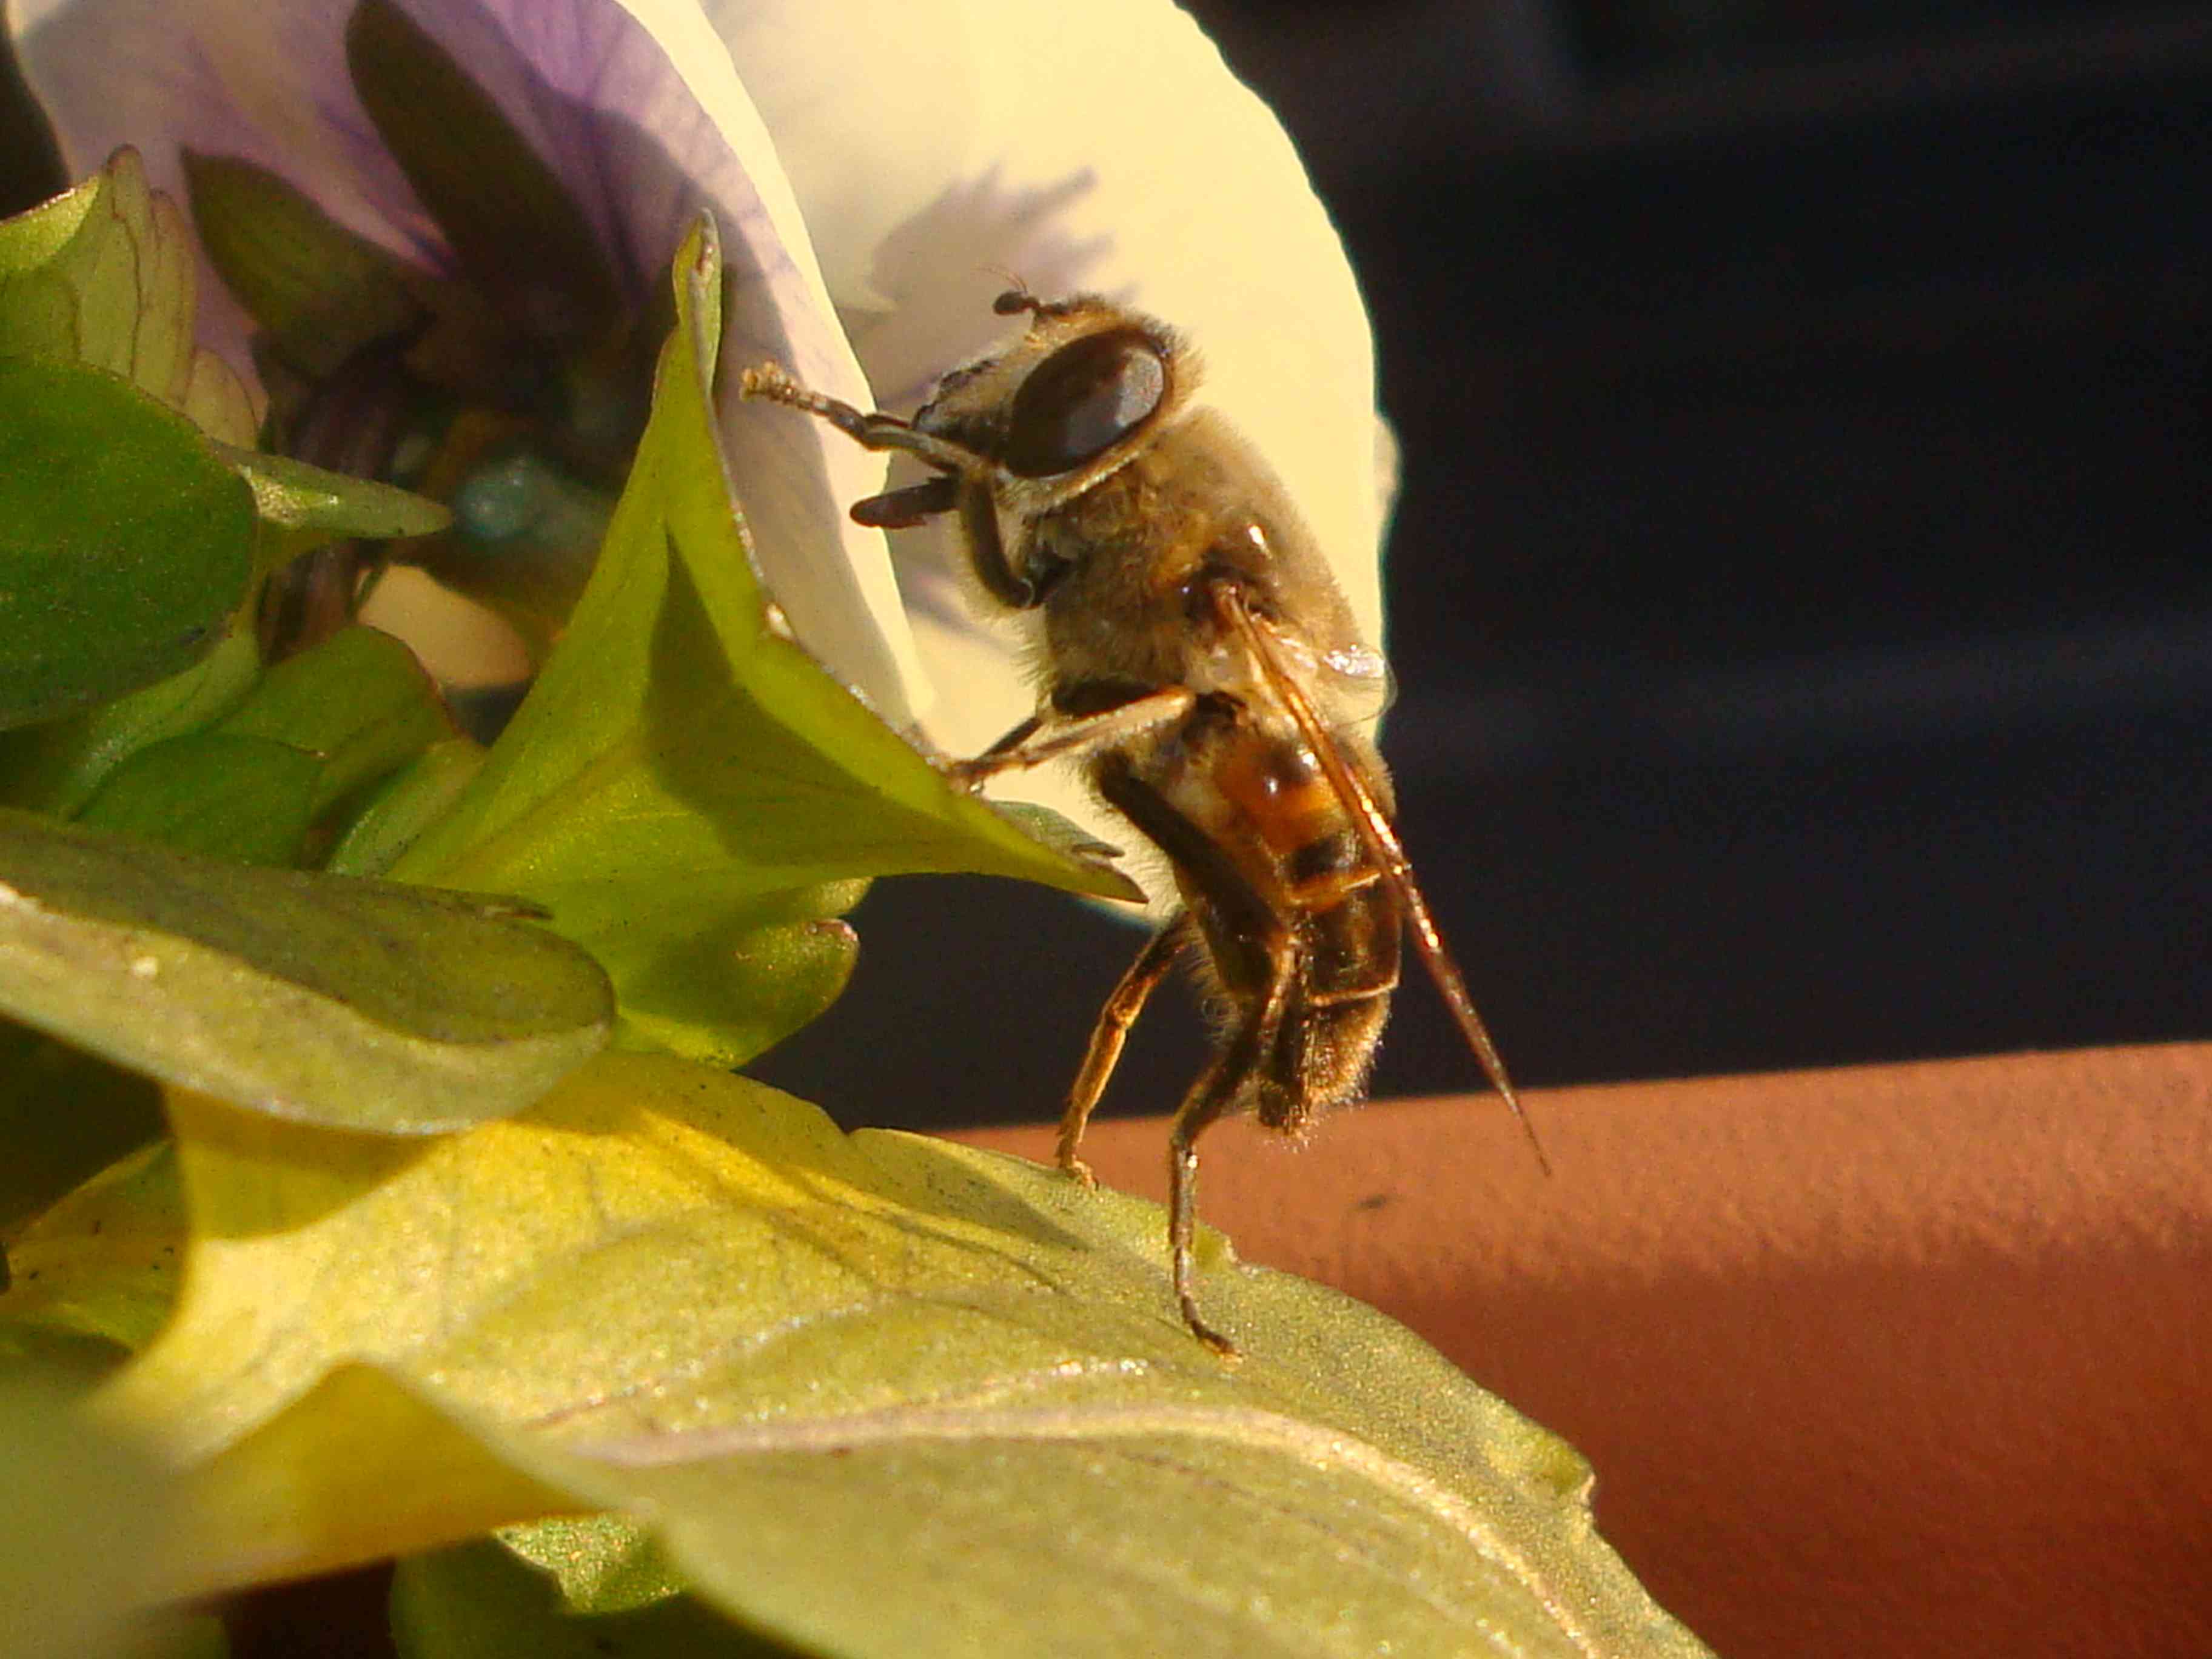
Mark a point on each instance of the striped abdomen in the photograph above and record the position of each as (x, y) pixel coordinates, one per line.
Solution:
(1279, 884)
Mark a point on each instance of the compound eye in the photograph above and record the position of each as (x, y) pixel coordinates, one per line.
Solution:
(1083, 400)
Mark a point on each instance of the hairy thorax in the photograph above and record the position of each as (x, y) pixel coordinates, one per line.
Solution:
(1128, 563)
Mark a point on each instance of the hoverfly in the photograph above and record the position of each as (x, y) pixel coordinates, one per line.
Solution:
(1196, 654)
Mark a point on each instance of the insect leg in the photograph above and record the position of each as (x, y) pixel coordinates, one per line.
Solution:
(909, 505)
(1049, 737)
(772, 383)
(1120, 1013)
(1021, 734)
(1215, 1092)
(1258, 963)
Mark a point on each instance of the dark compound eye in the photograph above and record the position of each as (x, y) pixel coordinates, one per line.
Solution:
(1083, 400)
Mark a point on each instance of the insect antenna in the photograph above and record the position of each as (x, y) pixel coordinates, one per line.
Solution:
(1374, 829)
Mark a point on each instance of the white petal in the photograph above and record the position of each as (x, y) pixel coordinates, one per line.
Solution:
(1106, 148)
(1109, 149)
(871, 103)
(1174, 187)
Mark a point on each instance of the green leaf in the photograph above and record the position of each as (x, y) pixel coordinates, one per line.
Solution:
(248, 800)
(104, 276)
(319, 727)
(874, 1396)
(126, 545)
(750, 973)
(682, 773)
(479, 1602)
(406, 805)
(320, 998)
(64, 1115)
(1057, 831)
(602, 1563)
(303, 506)
(359, 702)
(56, 766)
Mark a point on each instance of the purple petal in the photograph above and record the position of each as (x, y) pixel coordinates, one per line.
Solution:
(637, 110)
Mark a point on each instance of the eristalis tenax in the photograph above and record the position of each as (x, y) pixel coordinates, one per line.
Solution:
(1196, 656)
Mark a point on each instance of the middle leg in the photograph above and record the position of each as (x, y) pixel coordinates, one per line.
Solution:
(1122, 1006)
(1052, 736)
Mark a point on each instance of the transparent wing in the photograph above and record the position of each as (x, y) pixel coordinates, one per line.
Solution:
(1276, 653)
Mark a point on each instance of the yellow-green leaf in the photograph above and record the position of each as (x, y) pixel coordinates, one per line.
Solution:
(874, 1396)
(83, 1517)
(404, 807)
(602, 1563)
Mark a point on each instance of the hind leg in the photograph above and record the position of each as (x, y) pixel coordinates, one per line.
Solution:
(1216, 1091)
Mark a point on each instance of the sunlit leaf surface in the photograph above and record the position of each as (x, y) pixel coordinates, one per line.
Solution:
(312, 996)
(879, 1395)
(600, 1562)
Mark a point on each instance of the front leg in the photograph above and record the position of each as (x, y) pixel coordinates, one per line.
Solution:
(772, 383)
(1053, 735)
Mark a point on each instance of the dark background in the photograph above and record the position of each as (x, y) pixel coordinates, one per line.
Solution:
(1800, 591)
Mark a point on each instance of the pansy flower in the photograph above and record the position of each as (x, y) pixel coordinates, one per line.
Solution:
(878, 172)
